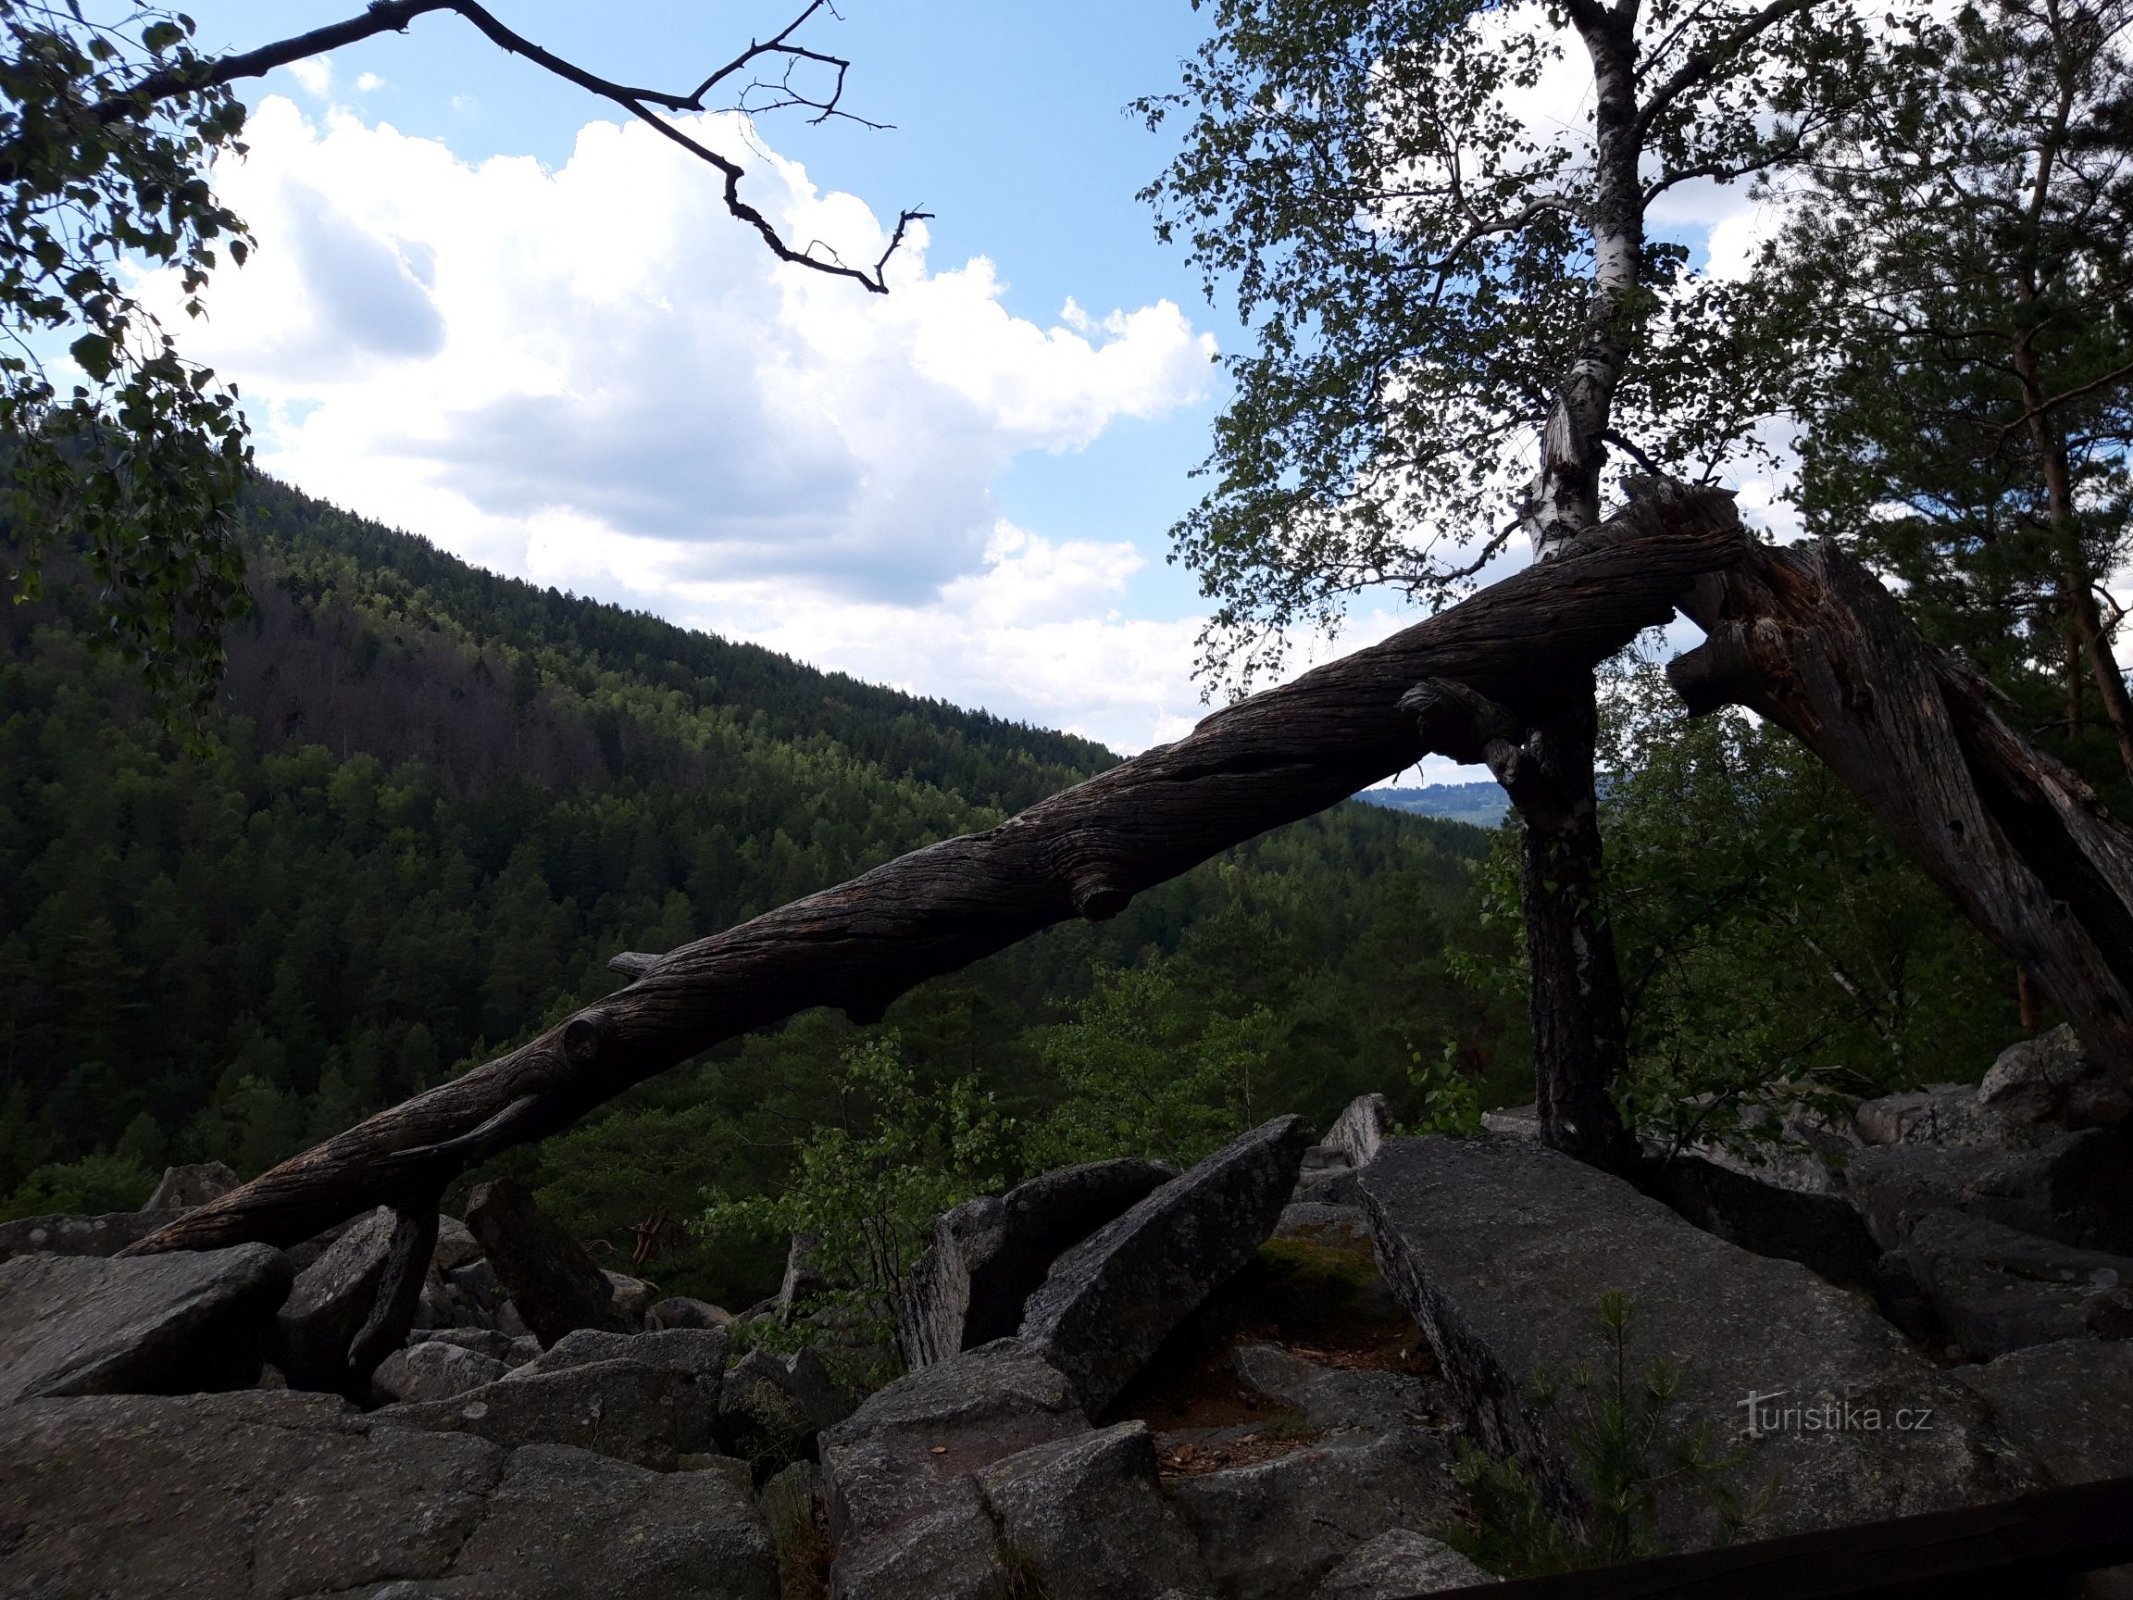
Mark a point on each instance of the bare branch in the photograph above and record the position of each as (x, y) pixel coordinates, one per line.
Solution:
(393, 16)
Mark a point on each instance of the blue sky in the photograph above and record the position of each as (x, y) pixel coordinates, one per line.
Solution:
(484, 310)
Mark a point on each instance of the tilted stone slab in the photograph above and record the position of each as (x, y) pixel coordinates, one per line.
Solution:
(1361, 1131)
(1501, 1249)
(555, 1285)
(1112, 1300)
(287, 1494)
(164, 1324)
(328, 1305)
(989, 1254)
(2075, 1187)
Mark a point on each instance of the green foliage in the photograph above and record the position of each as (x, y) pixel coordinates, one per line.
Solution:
(868, 1180)
(91, 1186)
(1777, 947)
(133, 470)
(1451, 1100)
(1952, 295)
(1624, 1451)
(1140, 1074)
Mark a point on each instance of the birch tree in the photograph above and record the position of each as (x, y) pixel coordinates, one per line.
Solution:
(1437, 220)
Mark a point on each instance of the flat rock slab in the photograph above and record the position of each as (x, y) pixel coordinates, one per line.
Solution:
(1340, 1398)
(2071, 1403)
(988, 1255)
(1501, 1250)
(1997, 1289)
(621, 1409)
(279, 1495)
(1274, 1530)
(164, 1324)
(1112, 1300)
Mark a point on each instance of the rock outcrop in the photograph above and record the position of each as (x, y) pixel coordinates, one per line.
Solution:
(1501, 1248)
(1996, 1289)
(1112, 1299)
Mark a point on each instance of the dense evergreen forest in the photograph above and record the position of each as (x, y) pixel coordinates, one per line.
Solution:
(437, 801)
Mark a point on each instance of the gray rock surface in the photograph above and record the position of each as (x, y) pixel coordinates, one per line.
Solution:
(433, 1371)
(2049, 1081)
(183, 1188)
(1398, 1564)
(1341, 1398)
(2071, 1403)
(456, 1245)
(1942, 1114)
(1359, 1130)
(1501, 1249)
(2074, 1187)
(1110, 1302)
(950, 1551)
(699, 1352)
(633, 1297)
(887, 1462)
(291, 1494)
(1275, 1529)
(106, 1235)
(622, 1409)
(1330, 1186)
(1997, 1289)
(771, 1407)
(554, 1285)
(161, 1324)
(679, 1311)
(483, 1341)
(1085, 1518)
(328, 1304)
(989, 1255)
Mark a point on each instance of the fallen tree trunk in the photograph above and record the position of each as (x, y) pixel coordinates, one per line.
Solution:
(1519, 645)
(1806, 637)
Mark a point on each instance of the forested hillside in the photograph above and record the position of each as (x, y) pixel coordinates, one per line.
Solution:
(438, 801)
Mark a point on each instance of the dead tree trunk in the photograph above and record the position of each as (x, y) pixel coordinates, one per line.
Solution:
(1522, 646)
(1806, 637)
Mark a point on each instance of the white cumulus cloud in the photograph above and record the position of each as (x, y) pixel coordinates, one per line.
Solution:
(594, 376)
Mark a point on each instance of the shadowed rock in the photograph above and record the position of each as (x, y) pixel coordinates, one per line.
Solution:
(1501, 1249)
(142, 1325)
(433, 1371)
(2071, 1403)
(183, 1188)
(989, 1254)
(328, 1305)
(1112, 1300)
(2075, 1187)
(2049, 1081)
(106, 1235)
(294, 1494)
(555, 1286)
(1997, 1289)
(679, 1311)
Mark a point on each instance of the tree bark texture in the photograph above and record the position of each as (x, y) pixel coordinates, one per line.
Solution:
(1806, 637)
(1526, 645)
